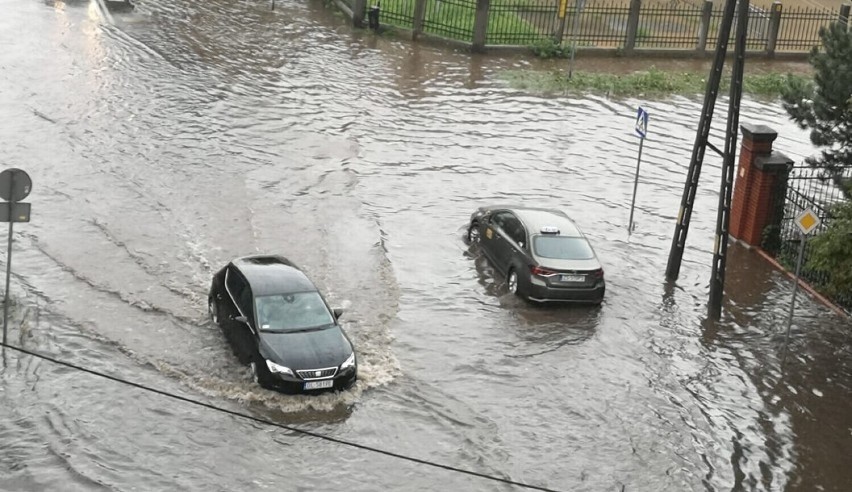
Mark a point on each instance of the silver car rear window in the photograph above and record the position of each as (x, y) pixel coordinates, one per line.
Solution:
(563, 248)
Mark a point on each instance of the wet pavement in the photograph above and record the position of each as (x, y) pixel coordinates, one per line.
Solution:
(165, 141)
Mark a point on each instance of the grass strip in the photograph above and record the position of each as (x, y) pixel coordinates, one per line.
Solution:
(653, 82)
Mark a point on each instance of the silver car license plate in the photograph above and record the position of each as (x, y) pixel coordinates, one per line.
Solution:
(573, 278)
(314, 385)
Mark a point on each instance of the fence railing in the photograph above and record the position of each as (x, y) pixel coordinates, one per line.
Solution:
(809, 188)
(669, 26)
(620, 25)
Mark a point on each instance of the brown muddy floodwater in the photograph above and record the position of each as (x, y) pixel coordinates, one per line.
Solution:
(166, 141)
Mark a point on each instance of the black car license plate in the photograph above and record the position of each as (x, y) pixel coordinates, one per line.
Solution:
(314, 385)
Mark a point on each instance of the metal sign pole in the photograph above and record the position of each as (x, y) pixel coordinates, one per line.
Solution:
(8, 274)
(635, 185)
(641, 129)
(577, 8)
(807, 222)
(15, 185)
(8, 261)
(795, 291)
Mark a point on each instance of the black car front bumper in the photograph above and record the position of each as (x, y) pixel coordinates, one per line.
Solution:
(294, 385)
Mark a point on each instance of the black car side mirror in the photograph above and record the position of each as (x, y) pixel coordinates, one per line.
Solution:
(338, 312)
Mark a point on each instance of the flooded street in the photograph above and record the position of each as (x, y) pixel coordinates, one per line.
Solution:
(164, 142)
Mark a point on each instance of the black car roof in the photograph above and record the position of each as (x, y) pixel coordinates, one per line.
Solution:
(535, 218)
(272, 274)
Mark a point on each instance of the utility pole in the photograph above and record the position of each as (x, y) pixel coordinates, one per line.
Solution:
(701, 143)
(723, 216)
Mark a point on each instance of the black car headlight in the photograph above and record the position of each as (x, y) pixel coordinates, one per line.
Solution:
(278, 369)
(348, 363)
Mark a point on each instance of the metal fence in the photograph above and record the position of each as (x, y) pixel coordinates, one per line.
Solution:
(401, 13)
(600, 24)
(450, 18)
(758, 28)
(674, 24)
(800, 27)
(668, 26)
(521, 23)
(808, 187)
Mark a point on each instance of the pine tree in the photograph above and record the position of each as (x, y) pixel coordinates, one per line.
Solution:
(824, 105)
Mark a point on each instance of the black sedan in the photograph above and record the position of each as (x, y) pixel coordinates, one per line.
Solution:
(543, 254)
(277, 321)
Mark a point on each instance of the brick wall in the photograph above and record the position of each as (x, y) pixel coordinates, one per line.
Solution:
(756, 181)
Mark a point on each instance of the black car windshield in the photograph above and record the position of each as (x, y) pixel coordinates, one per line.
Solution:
(563, 247)
(291, 312)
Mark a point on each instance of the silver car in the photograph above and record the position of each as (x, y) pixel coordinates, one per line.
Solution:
(543, 254)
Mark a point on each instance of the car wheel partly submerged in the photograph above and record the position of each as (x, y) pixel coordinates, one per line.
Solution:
(473, 233)
(254, 375)
(259, 374)
(213, 310)
(512, 282)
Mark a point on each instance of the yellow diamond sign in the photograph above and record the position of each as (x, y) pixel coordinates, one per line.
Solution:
(807, 221)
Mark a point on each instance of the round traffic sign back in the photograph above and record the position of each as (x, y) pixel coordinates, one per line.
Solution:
(15, 184)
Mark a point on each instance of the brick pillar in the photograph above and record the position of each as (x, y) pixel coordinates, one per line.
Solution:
(761, 178)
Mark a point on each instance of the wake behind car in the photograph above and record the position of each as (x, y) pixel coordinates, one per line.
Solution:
(543, 254)
(276, 320)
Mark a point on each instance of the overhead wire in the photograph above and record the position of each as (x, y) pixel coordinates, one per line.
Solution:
(290, 428)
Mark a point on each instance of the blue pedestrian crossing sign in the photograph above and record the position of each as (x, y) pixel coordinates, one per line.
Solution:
(641, 126)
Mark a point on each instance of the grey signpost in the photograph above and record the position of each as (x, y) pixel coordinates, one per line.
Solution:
(806, 221)
(641, 128)
(15, 185)
(578, 7)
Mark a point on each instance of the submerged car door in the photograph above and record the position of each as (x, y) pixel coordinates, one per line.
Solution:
(240, 294)
(487, 236)
(499, 240)
(516, 247)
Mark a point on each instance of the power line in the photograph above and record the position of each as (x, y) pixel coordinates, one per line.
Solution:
(276, 424)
